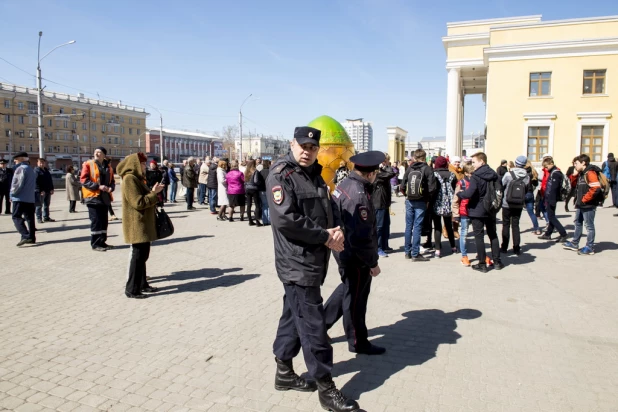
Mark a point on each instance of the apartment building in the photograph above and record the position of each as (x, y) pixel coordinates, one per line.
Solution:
(361, 134)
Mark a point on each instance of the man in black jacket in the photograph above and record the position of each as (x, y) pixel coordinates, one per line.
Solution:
(302, 220)
(612, 165)
(382, 199)
(44, 191)
(419, 185)
(502, 169)
(6, 177)
(212, 185)
(552, 197)
(481, 218)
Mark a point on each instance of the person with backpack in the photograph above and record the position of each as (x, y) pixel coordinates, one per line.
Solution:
(610, 170)
(553, 194)
(418, 185)
(533, 177)
(515, 184)
(460, 212)
(590, 193)
(254, 184)
(485, 199)
(446, 182)
(382, 198)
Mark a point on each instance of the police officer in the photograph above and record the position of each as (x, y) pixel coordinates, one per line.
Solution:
(6, 177)
(302, 220)
(358, 262)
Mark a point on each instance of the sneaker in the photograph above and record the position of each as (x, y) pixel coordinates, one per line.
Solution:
(545, 237)
(570, 246)
(424, 251)
(479, 267)
(99, 249)
(382, 253)
(586, 250)
(562, 239)
(112, 218)
(419, 258)
(47, 219)
(465, 261)
(24, 242)
(438, 254)
(498, 265)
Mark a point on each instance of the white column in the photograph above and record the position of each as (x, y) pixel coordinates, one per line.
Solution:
(452, 112)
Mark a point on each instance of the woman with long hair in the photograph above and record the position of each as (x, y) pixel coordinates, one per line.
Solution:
(236, 190)
(222, 189)
(534, 182)
(73, 188)
(254, 184)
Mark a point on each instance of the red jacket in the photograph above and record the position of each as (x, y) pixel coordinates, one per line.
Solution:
(544, 181)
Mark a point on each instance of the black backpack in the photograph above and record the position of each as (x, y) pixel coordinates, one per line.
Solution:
(253, 185)
(492, 202)
(516, 192)
(415, 184)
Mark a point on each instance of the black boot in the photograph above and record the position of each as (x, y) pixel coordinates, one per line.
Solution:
(332, 399)
(287, 379)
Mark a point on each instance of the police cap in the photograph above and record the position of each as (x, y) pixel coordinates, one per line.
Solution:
(368, 161)
(3, 161)
(306, 134)
(21, 154)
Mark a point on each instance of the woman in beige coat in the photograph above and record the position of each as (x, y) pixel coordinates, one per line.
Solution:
(73, 188)
(138, 220)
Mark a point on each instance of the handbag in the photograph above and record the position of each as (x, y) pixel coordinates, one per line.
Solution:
(165, 227)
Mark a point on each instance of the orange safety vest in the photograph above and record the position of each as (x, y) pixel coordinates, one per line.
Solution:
(94, 177)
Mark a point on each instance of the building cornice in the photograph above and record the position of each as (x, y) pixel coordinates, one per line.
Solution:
(573, 48)
(396, 127)
(514, 20)
(463, 63)
(594, 115)
(553, 23)
(540, 116)
(461, 40)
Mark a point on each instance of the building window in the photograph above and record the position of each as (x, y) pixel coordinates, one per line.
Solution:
(65, 124)
(538, 142)
(94, 139)
(20, 105)
(122, 141)
(85, 139)
(115, 140)
(32, 107)
(138, 132)
(94, 127)
(102, 116)
(84, 126)
(121, 119)
(540, 84)
(103, 128)
(50, 123)
(7, 133)
(122, 130)
(74, 126)
(594, 82)
(130, 142)
(103, 140)
(49, 109)
(592, 142)
(7, 118)
(21, 120)
(130, 130)
(130, 120)
(30, 119)
(7, 104)
(94, 115)
(73, 111)
(115, 129)
(139, 121)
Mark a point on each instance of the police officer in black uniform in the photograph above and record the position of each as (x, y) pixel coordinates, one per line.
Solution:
(6, 177)
(358, 262)
(302, 220)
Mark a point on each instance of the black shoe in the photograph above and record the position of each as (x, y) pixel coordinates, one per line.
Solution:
(99, 249)
(108, 247)
(368, 349)
(133, 296)
(220, 218)
(286, 378)
(231, 219)
(388, 249)
(39, 221)
(258, 223)
(517, 251)
(25, 242)
(419, 258)
(480, 267)
(428, 246)
(8, 213)
(408, 256)
(331, 399)
(498, 265)
(150, 289)
(545, 237)
(251, 223)
(504, 250)
(49, 219)
(242, 218)
(562, 239)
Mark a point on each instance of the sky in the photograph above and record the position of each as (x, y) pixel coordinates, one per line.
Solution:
(197, 61)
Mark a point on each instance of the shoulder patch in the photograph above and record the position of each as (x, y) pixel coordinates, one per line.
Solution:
(336, 194)
(363, 212)
(279, 168)
(277, 195)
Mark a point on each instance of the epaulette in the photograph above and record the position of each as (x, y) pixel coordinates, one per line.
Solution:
(283, 167)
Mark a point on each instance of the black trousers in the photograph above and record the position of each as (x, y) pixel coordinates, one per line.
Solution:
(189, 197)
(437, 230)
(72, 205)
(5, 195)
(479, 224)
(98, 224)
(427, 221)
(510, 219)
(110, 210)
(349, 301)
(554, 223)
(24, 213)
(137, 268)
(302, 326)
(254, 199)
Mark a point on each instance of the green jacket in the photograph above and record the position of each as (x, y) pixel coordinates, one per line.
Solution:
(138, 203)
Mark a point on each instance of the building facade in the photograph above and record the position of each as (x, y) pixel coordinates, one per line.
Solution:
(361, 134)
(180, 145)
(266, 147)
(73, 125)
(396, 143)
(547, 85)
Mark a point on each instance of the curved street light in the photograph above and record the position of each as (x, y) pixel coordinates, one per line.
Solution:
(240, 121)
(160, 131)
(40, 89)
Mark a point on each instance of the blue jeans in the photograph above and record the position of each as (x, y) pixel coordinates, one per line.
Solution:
(585, 216)
(212, 199)
(530, 210)
(173, 190)
(463, 232)
(415, 214)
(201, 193)
(42, 205)
(265, 211)
(614, 187)
(383, 222)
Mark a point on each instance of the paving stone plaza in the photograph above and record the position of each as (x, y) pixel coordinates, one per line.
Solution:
(540, 335)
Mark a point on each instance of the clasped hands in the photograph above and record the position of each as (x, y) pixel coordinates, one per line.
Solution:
(335, 239)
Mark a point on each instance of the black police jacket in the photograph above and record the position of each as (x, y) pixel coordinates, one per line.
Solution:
(358, 220)
(300, 212)
(44, 182)
(382, 190)
(6, 177)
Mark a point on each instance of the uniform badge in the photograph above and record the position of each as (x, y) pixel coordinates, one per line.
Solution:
(364, 214)
(278, 195)
(336, 194)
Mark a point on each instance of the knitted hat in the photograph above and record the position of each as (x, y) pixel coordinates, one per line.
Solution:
(521, 161)
(441, 162)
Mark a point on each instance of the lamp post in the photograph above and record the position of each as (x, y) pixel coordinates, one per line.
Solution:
(160, 131)
(40, 90)
(240, 123)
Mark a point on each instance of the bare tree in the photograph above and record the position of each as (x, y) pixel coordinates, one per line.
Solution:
(229, 133)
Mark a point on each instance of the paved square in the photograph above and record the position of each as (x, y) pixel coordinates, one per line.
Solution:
(541, 335)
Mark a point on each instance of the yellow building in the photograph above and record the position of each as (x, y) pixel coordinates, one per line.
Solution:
(396, 143)
(548, 86)
(74, 126)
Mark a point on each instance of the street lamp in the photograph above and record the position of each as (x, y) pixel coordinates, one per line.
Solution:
(240, 122)
(40, 90)
(160, 131)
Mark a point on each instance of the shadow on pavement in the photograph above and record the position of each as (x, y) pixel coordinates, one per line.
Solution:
(74, 239)
(411, 341)
(204, 279)
(171, 240)
(61, 228)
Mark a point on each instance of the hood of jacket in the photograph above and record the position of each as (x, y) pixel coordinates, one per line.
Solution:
(130, 166)
(486, 173)
(519, 172)
(418, 165)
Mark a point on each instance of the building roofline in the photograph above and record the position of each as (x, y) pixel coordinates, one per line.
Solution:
(532, 18)
(183, 132)
(563, 22)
